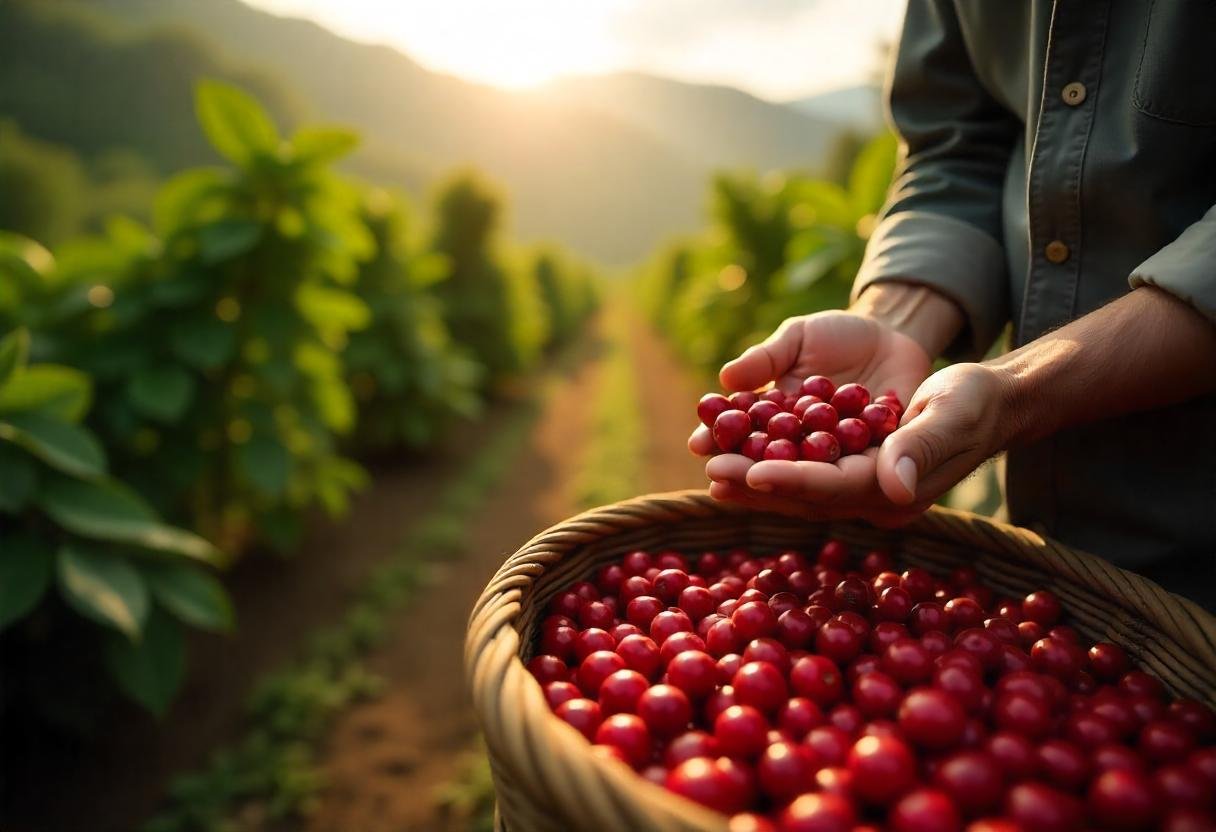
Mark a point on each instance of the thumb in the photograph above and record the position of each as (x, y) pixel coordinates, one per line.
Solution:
(766, 361)
(916, 450)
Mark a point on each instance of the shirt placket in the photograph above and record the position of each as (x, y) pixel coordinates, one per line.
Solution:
(1070, 91)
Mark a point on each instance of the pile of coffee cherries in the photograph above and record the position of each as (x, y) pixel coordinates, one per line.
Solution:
(819, 694)
(821, 423)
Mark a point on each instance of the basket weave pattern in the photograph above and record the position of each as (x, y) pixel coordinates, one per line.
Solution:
(545, 776)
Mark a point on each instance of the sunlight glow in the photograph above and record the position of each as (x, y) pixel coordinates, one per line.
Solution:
(515, 44)
(777, 49)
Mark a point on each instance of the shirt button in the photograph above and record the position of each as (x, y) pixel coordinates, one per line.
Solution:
(1056, 252)
(1073, 94)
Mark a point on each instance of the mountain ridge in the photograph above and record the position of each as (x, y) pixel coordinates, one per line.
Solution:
(609, 166)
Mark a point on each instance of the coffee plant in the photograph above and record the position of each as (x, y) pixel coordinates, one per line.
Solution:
(494, 310)
(566, 289)
(218, 362)
(407, 374)
(214, 338)
(69, 529)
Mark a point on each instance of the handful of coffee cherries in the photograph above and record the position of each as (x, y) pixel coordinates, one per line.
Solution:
(820, 423)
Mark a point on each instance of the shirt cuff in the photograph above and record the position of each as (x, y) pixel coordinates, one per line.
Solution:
(1186, 268)
(950, 256)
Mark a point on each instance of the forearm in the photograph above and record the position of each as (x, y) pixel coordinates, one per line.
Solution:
(926, 316)
(1144, 351)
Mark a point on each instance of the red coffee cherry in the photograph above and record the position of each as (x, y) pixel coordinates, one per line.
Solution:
(741, 731)
(850, 400)
(853, 435)
(819, 446)
(730, 429)
(883, 769)
(711, 406)
(823, 812)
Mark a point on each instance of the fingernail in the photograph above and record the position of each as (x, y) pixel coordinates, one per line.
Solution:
(905, 470)
(763, 486)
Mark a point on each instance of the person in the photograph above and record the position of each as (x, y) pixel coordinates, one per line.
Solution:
(1058, 176)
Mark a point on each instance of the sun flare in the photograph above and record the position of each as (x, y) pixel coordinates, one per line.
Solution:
(778, 50)
(515, 45)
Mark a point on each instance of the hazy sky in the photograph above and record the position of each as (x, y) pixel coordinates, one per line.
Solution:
(777, 49)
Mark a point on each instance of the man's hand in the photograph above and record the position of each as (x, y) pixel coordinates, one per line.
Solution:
(841, 345)
(957, 419)
(884, 342)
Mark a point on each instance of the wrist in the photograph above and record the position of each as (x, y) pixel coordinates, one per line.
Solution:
(1030, 379)
(918, 312)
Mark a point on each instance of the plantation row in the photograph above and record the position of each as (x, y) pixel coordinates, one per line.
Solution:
(172, 396)
(775, 247)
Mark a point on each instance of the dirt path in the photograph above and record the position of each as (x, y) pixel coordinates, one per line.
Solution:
(669, 395)
(385, 760)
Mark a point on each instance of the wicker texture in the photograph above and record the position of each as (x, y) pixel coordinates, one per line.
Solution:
(545, 776)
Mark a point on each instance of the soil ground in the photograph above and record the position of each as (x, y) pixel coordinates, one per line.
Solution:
(386, 759)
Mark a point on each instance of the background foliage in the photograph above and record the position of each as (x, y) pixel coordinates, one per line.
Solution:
(776, 246)
(220, 364)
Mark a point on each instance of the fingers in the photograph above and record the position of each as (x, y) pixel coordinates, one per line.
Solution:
(793, 507)
(728, 468)
(934, 448)
(701, 443)
(852, 478)
(768, 360)
(733, 493)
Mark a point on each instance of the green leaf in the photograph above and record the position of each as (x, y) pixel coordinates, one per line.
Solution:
(818, 264)
(24, 261)
(429, 268)
(62, 446)
(161, 393)
(181, 291)
(871, 174)
(227, 238)
(319, 145)
(332, 309)
(19, 479)
(186, 197)
(192, 595)
(821, 203)
(104, 588)
(234, 122)
(151, 670)
(25, 571)
(14, 352)
(62, 392)
(204, 343)
(107, 510)
(266, 464)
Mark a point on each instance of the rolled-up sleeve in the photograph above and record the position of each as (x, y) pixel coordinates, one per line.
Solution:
(941, 225)
(1186, 268)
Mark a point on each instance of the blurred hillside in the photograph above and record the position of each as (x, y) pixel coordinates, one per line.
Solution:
(571, 156)
(715, 127)
(858, 108)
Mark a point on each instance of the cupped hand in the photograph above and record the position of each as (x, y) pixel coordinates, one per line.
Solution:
(956, 420)
(846, 347)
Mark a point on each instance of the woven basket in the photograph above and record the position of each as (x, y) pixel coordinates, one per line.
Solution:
(544, 774)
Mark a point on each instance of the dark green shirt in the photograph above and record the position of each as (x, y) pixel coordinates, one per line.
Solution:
(1059, 155)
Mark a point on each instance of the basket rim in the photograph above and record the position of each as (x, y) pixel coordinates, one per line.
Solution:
(493, 643)
(934, 522)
